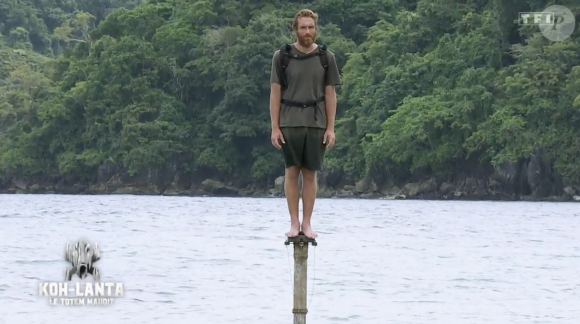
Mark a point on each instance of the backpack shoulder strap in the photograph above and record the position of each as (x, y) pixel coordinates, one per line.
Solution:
(323, 56)
(283, 61)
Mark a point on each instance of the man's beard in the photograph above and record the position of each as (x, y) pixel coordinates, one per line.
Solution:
(306, 41)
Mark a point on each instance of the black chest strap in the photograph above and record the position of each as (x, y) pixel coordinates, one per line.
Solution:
(308, 104)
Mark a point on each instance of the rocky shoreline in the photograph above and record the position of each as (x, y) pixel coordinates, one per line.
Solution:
(527, 179)
(467, 189)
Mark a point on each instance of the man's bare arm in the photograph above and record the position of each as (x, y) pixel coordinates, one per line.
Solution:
(275, 94)
(330, 101)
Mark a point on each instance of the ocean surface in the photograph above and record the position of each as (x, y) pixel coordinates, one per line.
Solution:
(223, 261)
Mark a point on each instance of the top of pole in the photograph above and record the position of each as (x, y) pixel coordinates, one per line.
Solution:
(301, 238)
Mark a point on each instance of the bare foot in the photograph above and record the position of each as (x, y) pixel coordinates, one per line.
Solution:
(307, 230)
(294, 230)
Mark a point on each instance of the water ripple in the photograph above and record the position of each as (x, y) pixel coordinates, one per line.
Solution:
(213, 260)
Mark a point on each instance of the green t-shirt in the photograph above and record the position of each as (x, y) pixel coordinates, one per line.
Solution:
(306, 83)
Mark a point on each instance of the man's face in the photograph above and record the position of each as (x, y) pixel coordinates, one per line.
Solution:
(306, 32)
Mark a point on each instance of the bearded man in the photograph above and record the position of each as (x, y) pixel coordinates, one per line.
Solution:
(302, 110)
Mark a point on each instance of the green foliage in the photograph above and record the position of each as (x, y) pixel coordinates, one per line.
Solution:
(155, 85)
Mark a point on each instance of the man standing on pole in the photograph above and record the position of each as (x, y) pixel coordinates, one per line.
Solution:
(303, 110)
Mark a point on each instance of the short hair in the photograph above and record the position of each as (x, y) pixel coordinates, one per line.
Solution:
(304, 13)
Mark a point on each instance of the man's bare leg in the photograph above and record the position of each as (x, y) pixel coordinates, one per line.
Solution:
(292, 198)
(309, 189)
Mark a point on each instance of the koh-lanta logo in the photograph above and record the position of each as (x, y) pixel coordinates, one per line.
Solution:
(82, 257)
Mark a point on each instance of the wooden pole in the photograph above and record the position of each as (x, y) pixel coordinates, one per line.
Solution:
(300, 275)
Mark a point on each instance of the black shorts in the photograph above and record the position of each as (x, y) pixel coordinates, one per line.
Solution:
(303, 147)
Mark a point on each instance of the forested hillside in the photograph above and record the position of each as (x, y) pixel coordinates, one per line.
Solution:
(440, 99)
